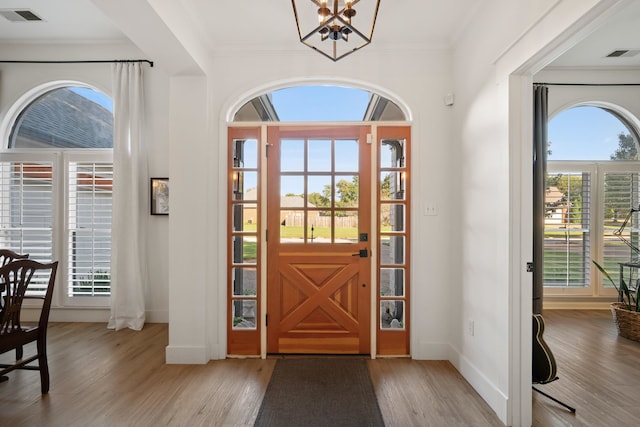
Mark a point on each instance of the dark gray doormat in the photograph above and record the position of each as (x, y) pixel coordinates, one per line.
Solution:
(320, 392)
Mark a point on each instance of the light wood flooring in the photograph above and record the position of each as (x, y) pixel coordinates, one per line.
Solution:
(599, 372)
(104, 378)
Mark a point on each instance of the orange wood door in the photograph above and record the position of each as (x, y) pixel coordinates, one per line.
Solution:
(318, 240)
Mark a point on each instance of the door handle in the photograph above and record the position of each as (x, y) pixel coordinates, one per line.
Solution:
(362, 254)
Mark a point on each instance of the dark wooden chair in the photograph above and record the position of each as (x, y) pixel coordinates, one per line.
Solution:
(7, 255)
(17, 277)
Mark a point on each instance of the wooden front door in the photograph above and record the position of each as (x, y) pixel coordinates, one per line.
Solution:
(318, 240)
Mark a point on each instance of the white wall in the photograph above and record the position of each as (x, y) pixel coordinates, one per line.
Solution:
(627, 98)
(17, 79)
(504, 38)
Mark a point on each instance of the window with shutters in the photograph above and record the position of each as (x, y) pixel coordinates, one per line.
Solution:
(591, 189)
(56, 188)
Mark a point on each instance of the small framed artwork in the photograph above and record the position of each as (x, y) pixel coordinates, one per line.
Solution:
(159, 196)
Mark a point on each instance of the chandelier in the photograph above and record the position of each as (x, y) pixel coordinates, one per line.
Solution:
(328, 26)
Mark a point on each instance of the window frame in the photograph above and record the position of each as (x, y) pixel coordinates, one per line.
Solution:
(68, 156)
(60, 159)
(598, 169)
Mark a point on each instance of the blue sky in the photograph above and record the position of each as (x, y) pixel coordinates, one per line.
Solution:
(584, 133)
(94, 95)
(321, 103)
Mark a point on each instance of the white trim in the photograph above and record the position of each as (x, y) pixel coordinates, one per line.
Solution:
(230, 108)
(186, 355)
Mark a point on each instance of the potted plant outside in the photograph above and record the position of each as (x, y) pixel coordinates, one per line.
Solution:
(626, 313)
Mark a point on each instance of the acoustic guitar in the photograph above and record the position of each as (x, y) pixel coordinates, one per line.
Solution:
(543, 364)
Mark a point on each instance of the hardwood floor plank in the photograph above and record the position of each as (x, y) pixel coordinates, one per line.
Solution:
(598, 370)
(100, 377)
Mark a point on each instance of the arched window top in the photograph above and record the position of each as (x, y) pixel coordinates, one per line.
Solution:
(319, 103)
(591, 133)
(70, 117)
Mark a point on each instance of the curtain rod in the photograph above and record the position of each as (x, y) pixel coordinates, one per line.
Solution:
(97, 61)
(588, 84)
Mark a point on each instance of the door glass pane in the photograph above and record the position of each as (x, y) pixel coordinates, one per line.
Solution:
(392, 186)
(244, 281)
(391, 282)
(292, 191)
(392, 217)
(245, 153)
(292, 155)
(244, 217)
(346, 191)
(346, 226)
(244, 250)
(391, 250)
(244, 314)
(319, 230)
(392, 314)
(392, 153)
(319, 191)
(245, 185)
(292, 226)
(319, 155)
(346, 155)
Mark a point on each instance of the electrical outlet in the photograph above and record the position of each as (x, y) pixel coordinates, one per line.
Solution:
(430, 209)
(472, 327)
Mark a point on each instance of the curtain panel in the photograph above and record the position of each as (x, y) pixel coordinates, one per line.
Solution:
(130, 172)
(540, 138)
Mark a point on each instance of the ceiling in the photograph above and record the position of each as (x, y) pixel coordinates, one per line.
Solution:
(230, 24)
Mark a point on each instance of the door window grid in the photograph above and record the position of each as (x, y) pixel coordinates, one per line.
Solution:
(319, 190)
(392, 232)
(244, 222)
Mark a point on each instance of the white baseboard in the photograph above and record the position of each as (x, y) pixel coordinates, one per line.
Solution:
(186, 355)
(576, 305)
(89, 315)
(431, 351)
(495, 398)
(487, 390)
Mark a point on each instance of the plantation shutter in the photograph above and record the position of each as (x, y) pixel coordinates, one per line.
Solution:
(621, 193)
(26, 211)
(567, 248)
(89, 228)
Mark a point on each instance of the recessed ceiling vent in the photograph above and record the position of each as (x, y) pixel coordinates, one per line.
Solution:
(623, 53)
(21, 15)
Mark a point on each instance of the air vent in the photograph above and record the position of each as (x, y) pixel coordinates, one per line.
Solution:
(623, 53)
(21, 15)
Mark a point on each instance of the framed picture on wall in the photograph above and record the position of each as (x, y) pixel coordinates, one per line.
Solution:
(159, 195)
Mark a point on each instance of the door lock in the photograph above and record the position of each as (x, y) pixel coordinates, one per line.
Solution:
(362, 254)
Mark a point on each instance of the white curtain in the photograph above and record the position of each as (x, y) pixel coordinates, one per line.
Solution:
(128, 249)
